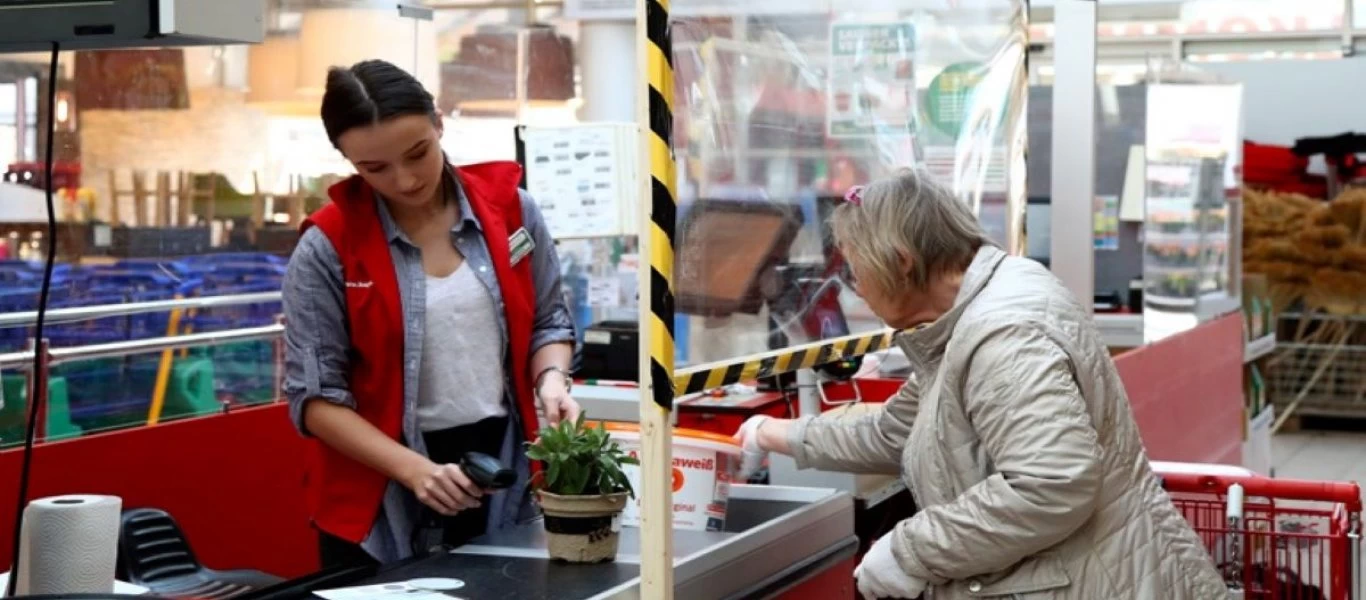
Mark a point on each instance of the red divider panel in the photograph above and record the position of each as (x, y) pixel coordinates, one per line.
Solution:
(1187, 393)
(234, 482)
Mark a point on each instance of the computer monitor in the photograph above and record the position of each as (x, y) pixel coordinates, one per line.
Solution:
(725, 249)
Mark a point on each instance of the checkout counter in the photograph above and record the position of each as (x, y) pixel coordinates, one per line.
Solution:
(779, 542)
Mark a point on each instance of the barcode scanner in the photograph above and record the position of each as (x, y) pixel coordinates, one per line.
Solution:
(486, 472)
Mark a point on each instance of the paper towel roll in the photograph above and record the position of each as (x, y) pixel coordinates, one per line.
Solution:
(69, 545)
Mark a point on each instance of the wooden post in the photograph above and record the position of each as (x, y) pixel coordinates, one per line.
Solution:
(296, 201)
(211, 197)
(654, 115)
(258, 207)
(184, 199)
(163, 199)
(114, 212)
(139, 198)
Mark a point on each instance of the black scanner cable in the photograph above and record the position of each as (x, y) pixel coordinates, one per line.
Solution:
(39, 392)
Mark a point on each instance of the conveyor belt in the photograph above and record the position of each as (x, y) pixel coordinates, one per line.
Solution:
(515, 578)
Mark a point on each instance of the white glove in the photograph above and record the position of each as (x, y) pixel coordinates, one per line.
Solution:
(880, 576)
(751, 455)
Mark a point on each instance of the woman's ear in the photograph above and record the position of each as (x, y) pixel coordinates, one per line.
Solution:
(907, 262)
(439, 124)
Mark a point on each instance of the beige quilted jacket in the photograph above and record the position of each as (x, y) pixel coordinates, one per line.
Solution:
(1017, 440)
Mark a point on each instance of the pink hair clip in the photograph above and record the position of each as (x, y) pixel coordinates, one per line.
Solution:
(854, 195)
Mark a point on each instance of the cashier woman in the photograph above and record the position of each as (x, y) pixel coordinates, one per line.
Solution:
(424, 320)
(1014, 433)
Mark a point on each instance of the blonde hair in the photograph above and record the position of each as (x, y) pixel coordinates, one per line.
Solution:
(907, 216)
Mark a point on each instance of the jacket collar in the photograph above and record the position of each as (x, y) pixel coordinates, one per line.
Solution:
(467, 216)
(925, 344)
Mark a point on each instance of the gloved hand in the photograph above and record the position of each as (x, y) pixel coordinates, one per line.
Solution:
(751, 454)
(880, 576)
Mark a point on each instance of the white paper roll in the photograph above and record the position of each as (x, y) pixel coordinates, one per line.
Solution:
(69, 545)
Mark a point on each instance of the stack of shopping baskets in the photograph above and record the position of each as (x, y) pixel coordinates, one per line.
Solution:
(1274, 539)
(116, 392)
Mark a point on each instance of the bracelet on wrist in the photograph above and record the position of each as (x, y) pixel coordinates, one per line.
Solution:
(540, 378)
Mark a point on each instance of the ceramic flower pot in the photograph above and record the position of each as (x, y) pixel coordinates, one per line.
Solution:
(582, 529)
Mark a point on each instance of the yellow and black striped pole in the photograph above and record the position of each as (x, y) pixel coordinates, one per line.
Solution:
(654, 113)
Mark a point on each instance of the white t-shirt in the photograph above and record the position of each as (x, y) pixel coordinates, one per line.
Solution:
(460, 380)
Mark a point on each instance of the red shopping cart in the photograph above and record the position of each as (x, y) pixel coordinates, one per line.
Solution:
(1276, 539)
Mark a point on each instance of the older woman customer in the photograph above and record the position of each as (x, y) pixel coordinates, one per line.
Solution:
(1013, 433)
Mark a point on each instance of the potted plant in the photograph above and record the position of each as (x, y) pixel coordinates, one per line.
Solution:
(582, 490)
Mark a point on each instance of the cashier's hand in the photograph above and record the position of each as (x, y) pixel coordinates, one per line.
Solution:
(881, 576)
(443, 488)
(556, 403)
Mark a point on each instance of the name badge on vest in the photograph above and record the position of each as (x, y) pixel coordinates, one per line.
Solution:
(520, 245)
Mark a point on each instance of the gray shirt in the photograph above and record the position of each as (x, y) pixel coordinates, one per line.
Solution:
(317, 342)
(460, 381)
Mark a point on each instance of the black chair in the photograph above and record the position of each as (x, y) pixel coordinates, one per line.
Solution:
(154, 553)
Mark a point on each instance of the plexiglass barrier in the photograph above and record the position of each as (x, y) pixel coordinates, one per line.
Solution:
(781, 109)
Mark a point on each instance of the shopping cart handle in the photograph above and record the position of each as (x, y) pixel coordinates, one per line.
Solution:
(1347, 493)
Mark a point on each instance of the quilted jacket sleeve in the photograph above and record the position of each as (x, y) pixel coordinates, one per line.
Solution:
(1034, 427)
(869, 443)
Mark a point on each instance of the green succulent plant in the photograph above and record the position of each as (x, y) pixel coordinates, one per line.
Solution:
(580, 461)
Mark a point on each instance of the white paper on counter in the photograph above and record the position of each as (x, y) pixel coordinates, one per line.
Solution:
(384, 591)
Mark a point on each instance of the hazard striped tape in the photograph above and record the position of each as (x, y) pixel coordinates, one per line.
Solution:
(777, 362)
(659, 75)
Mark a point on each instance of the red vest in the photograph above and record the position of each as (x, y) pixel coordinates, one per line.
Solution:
(344, 495)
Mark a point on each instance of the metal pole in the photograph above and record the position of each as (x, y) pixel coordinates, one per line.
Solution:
(58, 356)
(1074, 147)
(657, 181)
(417, 13)
(808, 396)
(522, 65)
(90, 313)
(1349, 46)
(279, 347)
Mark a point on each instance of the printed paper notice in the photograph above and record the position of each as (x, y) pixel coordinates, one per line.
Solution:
(604, 292)
(871, 85)
(573, 174)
